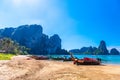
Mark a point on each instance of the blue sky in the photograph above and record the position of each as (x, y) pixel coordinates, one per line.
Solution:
(78, 22)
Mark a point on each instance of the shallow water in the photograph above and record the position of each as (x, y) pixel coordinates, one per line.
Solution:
(106, 59)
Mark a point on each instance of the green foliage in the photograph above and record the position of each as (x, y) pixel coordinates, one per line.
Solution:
(10, 46)
(4, 56)
(96, 52)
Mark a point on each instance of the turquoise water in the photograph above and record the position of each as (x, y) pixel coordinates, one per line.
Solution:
(106, 59)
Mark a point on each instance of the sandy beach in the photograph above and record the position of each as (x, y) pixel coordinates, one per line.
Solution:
(22, 69)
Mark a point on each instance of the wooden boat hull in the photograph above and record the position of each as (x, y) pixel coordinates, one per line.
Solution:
(88, 63)
(85, 61)
(39, 57)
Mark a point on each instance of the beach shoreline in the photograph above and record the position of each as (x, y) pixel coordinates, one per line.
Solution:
(21, 69)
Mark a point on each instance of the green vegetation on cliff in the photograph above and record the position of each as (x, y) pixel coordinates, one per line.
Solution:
(9, 46)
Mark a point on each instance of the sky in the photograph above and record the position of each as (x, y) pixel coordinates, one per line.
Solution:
(78, 22)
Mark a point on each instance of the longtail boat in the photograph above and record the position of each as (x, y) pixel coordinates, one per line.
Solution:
(39, 57)
(86, 61)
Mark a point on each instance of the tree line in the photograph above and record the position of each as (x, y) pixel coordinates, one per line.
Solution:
(9, 46)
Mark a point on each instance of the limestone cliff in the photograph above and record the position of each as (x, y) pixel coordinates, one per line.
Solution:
(32, 37)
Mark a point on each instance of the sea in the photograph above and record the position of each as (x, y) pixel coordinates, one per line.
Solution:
(106, 59)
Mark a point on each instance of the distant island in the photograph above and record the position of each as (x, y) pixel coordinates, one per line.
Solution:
(101, 50)
(31, 39)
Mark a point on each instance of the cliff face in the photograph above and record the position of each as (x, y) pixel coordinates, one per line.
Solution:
(32, 37)
(102, 48)
(54, 43)
(114, 51)
(27, 35)
(7, 32)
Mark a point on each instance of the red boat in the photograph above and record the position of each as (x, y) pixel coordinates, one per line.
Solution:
(86, 61)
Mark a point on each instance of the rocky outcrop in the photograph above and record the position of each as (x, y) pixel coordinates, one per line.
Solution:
(54, 43)
(7, 32)
(90, 50)
(75, 51)
(84, 50)
(102, 49)
(41, 46)
(114, 51)
(62, 51)
(32, 37)
(27, 35)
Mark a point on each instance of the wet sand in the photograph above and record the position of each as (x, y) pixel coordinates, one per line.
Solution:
(22, 69)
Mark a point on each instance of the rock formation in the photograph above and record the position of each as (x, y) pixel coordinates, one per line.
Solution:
(7, 32)
(32, 37)
(102, 49)
(54, 43)
(84, 50)
(114, 51)
(77, 51)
